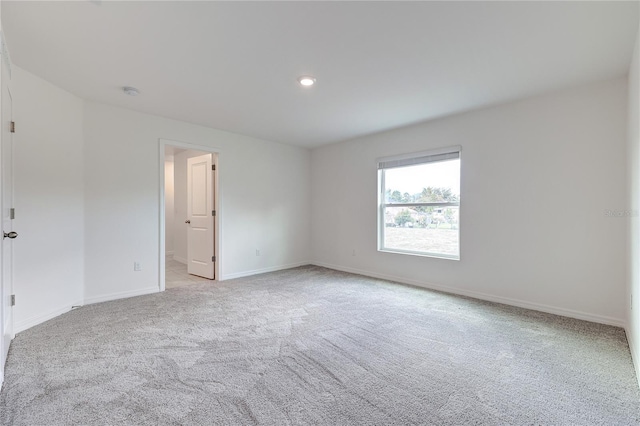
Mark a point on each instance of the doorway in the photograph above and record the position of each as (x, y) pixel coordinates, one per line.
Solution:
(189, 218)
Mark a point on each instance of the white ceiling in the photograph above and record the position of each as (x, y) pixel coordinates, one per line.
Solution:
(379, 65)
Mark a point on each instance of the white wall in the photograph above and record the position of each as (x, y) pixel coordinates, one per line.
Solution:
(264, 200)
(169, 203)
(48, 181)
(633, 331)
(537, 177)
(180, 228)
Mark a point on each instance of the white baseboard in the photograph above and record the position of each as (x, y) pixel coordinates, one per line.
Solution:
(224, 277)
(169, 253)
(25, 324)
(179, 259)
(601, 319)
(121, 295)
(635, 357)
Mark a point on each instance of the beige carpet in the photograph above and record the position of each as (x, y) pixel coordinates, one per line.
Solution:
(315, 346)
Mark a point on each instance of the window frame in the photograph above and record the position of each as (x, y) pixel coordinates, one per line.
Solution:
(407, 160)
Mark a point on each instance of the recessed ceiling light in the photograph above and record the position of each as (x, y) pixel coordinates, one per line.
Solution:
(307, 80)
(131, 91)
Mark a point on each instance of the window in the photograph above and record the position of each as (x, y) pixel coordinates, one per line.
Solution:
(419, 203)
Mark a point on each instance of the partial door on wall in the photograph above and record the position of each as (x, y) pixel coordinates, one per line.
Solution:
(200, 216)
(6, 153)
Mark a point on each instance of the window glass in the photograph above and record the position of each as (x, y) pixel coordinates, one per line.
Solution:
(420, 208)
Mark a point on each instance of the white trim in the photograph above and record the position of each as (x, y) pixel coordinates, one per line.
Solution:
(419, 253)
(601, 319)
(121, 295)
(179, 259)
(262, 271)
(39, 319)
(430, 152)
(170, 253)
(162, 143)
(635, 357)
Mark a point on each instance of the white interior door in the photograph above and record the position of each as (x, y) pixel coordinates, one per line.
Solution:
(200, 216)
(6, 154)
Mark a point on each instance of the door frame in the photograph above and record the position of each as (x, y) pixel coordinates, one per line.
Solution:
(217, 203)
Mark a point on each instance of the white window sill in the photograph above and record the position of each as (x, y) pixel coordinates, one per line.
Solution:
(421, 254)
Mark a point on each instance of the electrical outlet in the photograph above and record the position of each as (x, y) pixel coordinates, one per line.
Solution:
(137, 267)
(353, 253)
(257, 252)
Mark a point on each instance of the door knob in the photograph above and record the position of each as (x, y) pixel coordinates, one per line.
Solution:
(11, 235)
(186, 221)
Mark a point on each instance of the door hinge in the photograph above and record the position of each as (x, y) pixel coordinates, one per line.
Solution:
(213, 258)
(13, 300)
(213, 167)
(12, 213)
(213, 212)
(12, 127)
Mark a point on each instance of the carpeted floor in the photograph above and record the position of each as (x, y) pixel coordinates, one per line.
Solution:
(314, 346)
